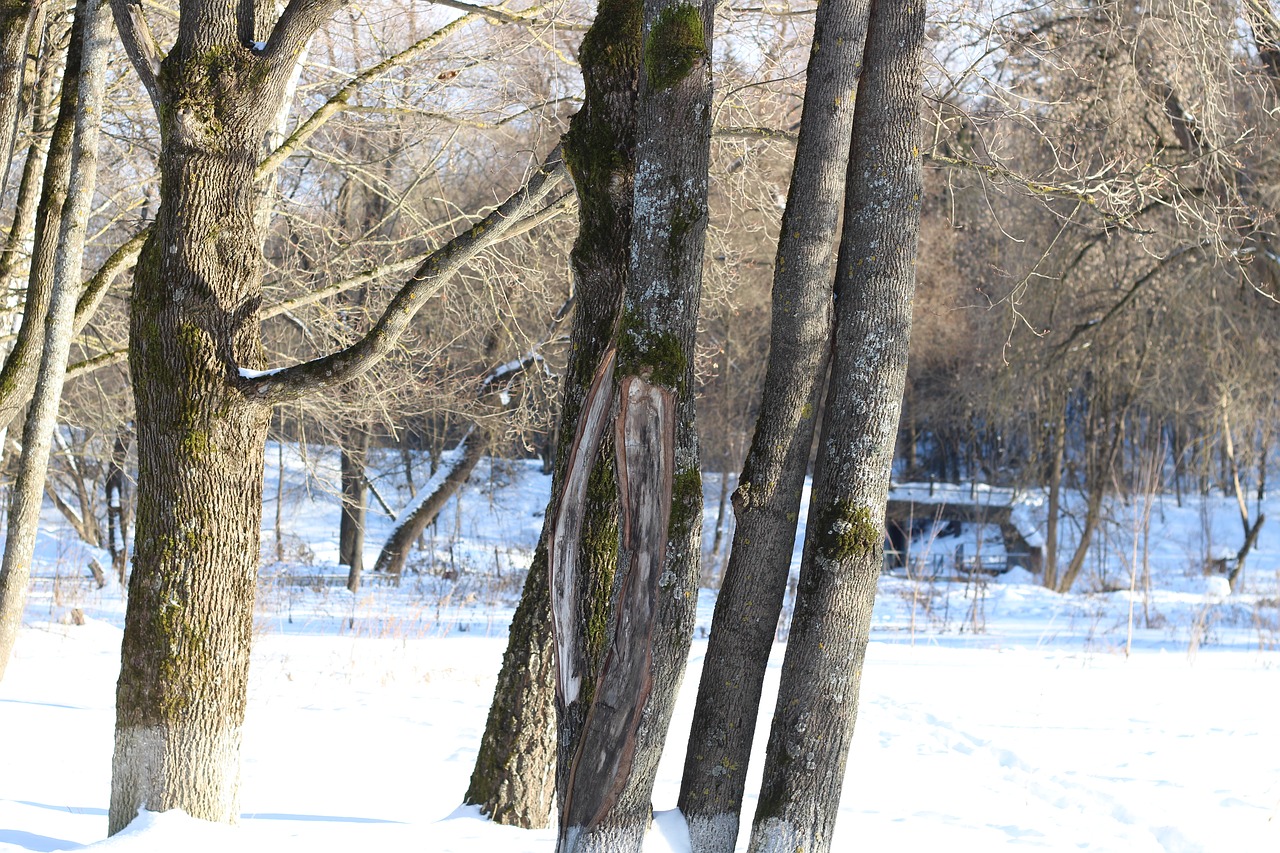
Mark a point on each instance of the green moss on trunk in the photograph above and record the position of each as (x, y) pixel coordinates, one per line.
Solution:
(675, 44)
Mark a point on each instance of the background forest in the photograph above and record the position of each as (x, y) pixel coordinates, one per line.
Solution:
(1096, 280)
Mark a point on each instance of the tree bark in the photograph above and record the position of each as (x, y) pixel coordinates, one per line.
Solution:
(599, 150)
(767, 500)
(875, 284)
(194, 318)
(203, 400)
(93, 21)
(18, 19)
(18, 376)
(607, 802)
(355, 499)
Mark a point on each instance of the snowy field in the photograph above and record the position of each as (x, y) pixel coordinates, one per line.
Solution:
(994, 714)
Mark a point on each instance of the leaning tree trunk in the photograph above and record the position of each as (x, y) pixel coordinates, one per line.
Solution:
(93, 23)
(875, 283)
(426, 507)
(512, 781)
(648, 385)
(767, 500)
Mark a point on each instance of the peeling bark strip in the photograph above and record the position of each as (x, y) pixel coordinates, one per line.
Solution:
(563, 545)
(645, 449)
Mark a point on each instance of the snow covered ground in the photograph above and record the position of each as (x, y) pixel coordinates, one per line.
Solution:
(994, 714)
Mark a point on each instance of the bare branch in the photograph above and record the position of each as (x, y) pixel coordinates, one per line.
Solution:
(95, 288)
(89, 365)
(328, 371)
(340, 99)
(298, 23)
(140, 45)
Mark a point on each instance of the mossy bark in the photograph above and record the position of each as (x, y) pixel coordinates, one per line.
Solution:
(184, 675)
(767, 500)
(183, 683)
(875, 283)
(526, 736)
(607, 806)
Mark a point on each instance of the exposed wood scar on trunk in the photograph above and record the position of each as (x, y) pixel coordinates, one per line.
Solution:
(645, 448)
(562, 546)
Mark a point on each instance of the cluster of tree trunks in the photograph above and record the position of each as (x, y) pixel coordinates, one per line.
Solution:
(606, 685)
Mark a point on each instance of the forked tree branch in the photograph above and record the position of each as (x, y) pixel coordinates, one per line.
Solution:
(140, 45)
(298, 23)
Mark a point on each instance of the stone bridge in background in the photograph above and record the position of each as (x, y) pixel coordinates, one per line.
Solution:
(1010, 509)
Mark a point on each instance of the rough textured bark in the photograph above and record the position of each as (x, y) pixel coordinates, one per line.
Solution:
(43, 117)
(203, 400)
(599, 152)
(650, 624)
(195, 318)
(18, 376)
(875, 283)
(93, 21)
(767, 500)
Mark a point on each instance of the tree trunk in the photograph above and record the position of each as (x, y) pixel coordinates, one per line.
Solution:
(513, 781)
(116, 488)
(875, 283)
(18, 376)
(355, 500)
(1057, 458)
(509, 776)
(43, 118)
(183, 682)
(203, 400)
(767, 500)
(18, 19)
(607, 805)
(94, 24)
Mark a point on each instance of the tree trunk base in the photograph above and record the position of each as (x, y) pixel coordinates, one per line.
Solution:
(152, 770)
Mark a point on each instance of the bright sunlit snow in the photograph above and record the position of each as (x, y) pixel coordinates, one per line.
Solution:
(994, 714)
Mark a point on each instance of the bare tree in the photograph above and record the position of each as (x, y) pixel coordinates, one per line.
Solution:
(202, 395)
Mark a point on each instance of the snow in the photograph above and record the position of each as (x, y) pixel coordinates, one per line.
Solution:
(994, 714)
(246, 373)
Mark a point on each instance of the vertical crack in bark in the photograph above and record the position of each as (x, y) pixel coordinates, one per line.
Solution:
(562, 549)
